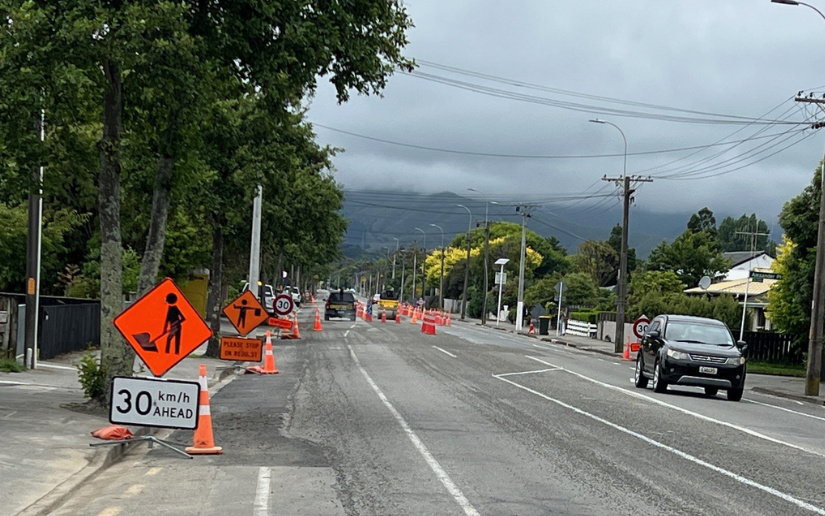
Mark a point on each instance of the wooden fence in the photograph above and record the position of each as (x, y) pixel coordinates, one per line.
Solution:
(67, 328)
(773, 347)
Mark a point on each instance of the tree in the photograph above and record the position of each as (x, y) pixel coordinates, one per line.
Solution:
(702, 221)
(731, 240)
(691, 256)
(651, 288)
(615, 241)
(596, 258)
(580, 289)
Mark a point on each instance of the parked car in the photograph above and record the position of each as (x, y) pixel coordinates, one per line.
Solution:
(684, 350)
(295, 292)
(340, 304)
(269, 296)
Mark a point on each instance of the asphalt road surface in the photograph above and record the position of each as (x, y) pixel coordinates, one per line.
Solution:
(379, 419)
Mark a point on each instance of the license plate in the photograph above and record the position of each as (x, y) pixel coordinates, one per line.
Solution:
(338, 307)
(707, 370)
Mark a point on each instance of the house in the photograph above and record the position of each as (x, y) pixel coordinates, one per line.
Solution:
(735, 282)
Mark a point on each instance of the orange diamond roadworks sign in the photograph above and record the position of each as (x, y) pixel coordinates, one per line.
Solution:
(245, 313)
(162, 327)
(243, 350)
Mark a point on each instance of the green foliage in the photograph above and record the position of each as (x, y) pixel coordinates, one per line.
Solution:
(731, 239)
(724, 308)
(591, 317)
(580, 290)
(615, 241)
(703, 222)
(9, 365)
(91, 375)
(541, 292)
(598, 259)
(691, 256)
(645, 287)
(475, 302)
(87, 284)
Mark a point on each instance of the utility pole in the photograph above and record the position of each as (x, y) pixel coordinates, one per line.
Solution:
(255, 244)
(403, 268)
(486, 273)
(34, 246)
(621, 302)
(753, 234)
(813, 371)
(525, 210)
(415, 264)
(393, 256)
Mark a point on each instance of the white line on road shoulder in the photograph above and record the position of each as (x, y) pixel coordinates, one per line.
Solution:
(261, 507)
(444, 351)
(748, 431)
(686, 456)
(786, 410)
(53, 366)
(456, 493)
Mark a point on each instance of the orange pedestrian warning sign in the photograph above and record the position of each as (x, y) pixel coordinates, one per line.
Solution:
(244, 350)
(162, 327)
(245, 313)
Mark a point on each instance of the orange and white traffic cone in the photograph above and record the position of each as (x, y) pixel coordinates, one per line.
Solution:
(269, 357)
(383, 316)
(204, 441)
(398, 317)
(414, 319)
(626, 354)
(318, 326)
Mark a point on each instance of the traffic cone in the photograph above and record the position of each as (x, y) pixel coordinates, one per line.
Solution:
(397, 317)
(204, 441)
(318, 326)
(449, 320)
(414, 319)
(269, 357)
(383, 316)
(626, 354)
(428, 327)
(532, 329)
(296, 331)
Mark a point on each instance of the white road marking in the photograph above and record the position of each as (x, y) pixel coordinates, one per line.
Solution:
(777, 397)
(110, 511)
(353, 326)
(346, 333)
(134, 489)
(456, 493)
(52, 366)
(444, 351)
(786, 410)
(526, 372)
(10, 414)
(748, 431)
(261, 507)
(679, 453)
(152, 472)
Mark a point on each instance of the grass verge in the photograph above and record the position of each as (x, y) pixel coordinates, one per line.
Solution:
(9, 365)
(776, 369)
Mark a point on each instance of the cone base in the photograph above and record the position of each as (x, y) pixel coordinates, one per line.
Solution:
(212, 450)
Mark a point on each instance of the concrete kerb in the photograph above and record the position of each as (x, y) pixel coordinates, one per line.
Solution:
(103, 458)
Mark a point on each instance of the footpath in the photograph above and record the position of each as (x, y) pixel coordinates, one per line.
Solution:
(782, 386)
(45, 436)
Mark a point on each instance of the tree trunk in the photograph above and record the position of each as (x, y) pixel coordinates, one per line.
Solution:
(150, 265)
(116, 357)
(213, 300)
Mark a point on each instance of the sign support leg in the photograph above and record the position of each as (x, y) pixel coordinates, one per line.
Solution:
(150, 441)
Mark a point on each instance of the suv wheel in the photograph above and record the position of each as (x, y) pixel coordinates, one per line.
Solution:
(735, 394)
(639, 378)
(711, 391)
(659, 384)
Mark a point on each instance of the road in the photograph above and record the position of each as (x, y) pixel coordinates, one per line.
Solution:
(378, 419)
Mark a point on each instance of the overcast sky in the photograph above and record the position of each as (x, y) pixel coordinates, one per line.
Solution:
(735, 58)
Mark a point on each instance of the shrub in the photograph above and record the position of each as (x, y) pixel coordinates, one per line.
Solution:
(10, 365)
(91, 375)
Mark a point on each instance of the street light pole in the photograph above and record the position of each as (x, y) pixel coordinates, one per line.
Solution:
(813, 369)
(393, 257)
(423, 261)
(486, 259)
(467, 265)
(622, 275)
(441, 279)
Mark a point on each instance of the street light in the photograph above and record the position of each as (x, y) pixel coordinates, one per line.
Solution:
(393, 256)
(502, 262)
(441, 280)
(467, 266)
(423, 276)
(814, 367)
(622, 276)
(486, 256)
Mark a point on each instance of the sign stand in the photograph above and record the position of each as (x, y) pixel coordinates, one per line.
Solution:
(150, 440)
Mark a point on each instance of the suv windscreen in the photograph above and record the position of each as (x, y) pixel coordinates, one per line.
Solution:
(700, 333)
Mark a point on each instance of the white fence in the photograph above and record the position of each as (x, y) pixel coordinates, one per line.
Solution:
(581, 328)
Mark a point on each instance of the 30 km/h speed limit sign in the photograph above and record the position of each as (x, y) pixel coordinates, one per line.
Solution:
(283, 304)
(154, 402)
(640, 326)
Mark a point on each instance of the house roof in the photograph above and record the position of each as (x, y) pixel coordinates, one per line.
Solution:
(735, 287)
(739, 257)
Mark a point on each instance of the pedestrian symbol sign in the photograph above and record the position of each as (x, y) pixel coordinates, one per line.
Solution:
(245, 313)
(162, 327)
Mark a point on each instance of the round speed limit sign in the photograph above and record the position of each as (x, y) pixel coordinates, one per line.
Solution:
(283, 304)
(640, 326)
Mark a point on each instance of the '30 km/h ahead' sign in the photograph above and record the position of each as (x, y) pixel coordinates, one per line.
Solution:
(154, 402)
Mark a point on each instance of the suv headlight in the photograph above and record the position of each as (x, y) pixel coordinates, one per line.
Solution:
(677, 355)
(736, 360)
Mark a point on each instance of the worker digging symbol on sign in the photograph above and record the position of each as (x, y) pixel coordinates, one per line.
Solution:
(173, 322)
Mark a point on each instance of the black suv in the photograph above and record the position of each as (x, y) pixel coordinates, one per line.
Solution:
(340, 304)
(683, 350)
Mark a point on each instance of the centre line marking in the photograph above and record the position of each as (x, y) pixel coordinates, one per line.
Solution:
(444, 351)
(679, 453)
(346, 333)
(442, 475)
(152, 472)
(134, 489)
(261, 506)
(526, 372)
(748, 431)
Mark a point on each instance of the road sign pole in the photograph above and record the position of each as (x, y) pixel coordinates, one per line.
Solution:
(255, 242)
(558, 317)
